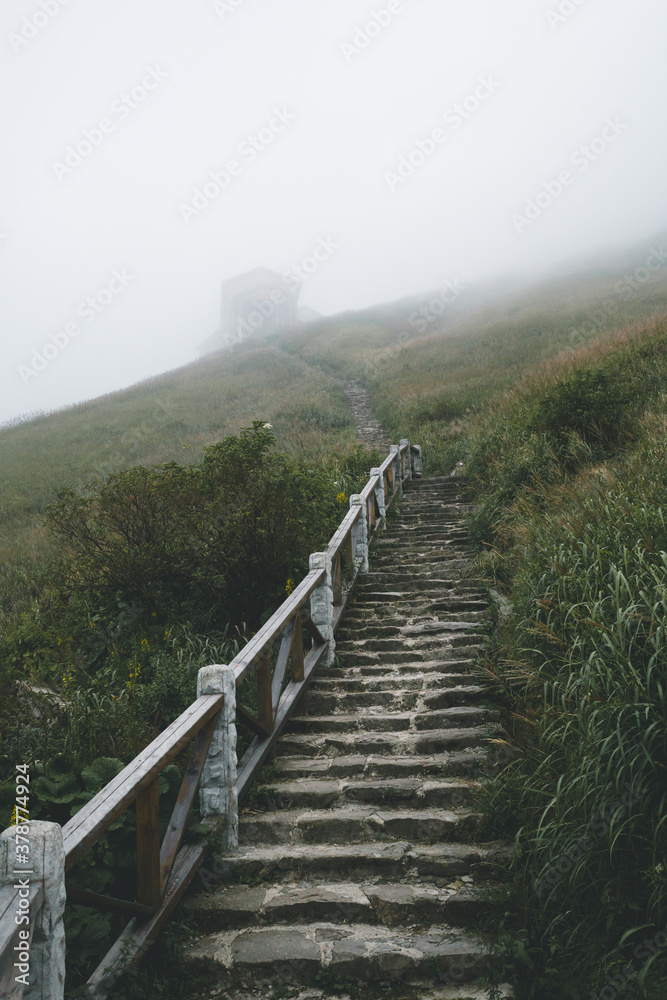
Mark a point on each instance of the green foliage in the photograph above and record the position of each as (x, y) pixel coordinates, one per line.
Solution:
(588, 401)
(214, 543)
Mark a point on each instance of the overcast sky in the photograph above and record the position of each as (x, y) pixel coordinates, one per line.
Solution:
(154, 148)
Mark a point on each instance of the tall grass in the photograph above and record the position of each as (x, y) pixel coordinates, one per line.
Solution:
(569, 471)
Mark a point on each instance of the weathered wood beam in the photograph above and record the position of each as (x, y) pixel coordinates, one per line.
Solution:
(264, 696)
(259, 749)
(141, 932)
(337, 578)
(149, 890)
(188, 790)
(297, 652)
(90, 822)
(101, 902)
(254, 725)
(281, 664)
(275, 625)
(311, 627)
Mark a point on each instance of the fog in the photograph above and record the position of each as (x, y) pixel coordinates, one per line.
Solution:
(153, 149)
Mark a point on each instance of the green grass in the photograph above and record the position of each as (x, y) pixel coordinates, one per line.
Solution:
(569, 474)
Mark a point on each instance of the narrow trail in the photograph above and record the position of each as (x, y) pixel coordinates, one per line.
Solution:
(358, 869)
(369, 429)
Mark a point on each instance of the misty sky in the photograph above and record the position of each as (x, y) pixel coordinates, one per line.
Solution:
(406, 136)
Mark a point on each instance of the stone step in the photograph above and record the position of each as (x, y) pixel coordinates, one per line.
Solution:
(333, 701)
(388, 860)
(318, 952)
(347, 680)
(367, 743)
(330, 793)
(431, 654)
(432, 558)
(416, 607)
(419, 643)
(354, 824)
(344, 701)
(456, 591)
(392, 904)
(421, 533)
(378, 665)
(450, 555)
(415, 615)
(460, 634)
(392, 722)
(404, 597)
(398, 626)
(406, 583)
(464, 763)
(415, 525)
(411, 659)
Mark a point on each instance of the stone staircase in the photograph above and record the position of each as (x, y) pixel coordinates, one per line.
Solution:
(369, 429)
(358, 870)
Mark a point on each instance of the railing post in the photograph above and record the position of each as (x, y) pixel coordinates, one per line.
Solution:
(218, 794)
(148, 846)
(396, 466)
(379, 496)
(417, 465)
(264, 693)
(322, 603)
(408, 457)
(362, 532)
(44, 969)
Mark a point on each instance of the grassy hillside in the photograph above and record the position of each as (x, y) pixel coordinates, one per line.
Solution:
(171, 418)
(471, 350)
(477, 342)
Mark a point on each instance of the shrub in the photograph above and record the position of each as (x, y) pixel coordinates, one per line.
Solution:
(212, 544)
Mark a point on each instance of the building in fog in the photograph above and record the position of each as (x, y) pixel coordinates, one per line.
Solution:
(259, 301)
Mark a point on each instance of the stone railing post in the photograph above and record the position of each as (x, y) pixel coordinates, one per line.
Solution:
(39, 969)
(322, 603)
(362, 532)
(417, 465)
(379, 496)
(408, 459)
(218, 795)
(394, 450)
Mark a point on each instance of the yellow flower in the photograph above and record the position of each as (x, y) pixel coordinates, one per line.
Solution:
(289, 586)
(341, 498)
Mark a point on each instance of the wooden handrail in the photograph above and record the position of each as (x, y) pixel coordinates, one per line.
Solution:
(92, 820)
(276, 624)
(343, 531)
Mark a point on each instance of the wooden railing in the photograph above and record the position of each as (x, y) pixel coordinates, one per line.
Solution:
(282, 656)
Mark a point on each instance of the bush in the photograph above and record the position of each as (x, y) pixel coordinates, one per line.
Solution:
(213, 544)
